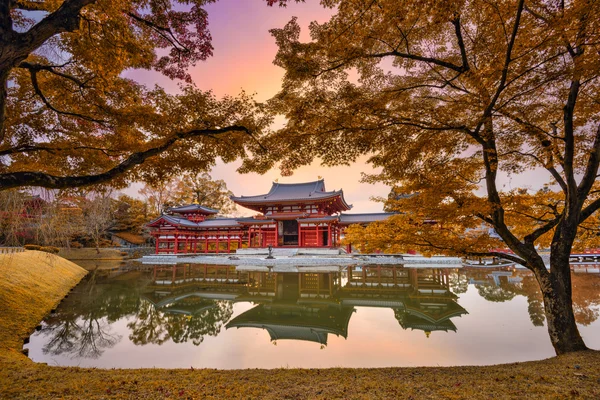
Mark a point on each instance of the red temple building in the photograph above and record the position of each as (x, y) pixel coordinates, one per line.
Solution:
(290, 215)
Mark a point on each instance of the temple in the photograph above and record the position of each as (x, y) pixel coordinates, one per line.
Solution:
(289, 215)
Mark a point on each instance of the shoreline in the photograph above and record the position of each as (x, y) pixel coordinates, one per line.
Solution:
(302, 260)
(576, 374)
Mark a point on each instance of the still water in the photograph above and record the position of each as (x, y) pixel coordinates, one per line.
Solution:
(251, 317)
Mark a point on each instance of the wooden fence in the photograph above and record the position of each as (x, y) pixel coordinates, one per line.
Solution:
(7, 250)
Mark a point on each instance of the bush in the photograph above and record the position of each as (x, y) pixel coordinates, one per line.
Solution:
(124, 253)
(50, 249)
(32, 247)
(75, 245)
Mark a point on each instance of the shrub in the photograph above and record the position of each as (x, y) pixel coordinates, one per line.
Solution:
(32, 247)
(50, 249)
(76, 245)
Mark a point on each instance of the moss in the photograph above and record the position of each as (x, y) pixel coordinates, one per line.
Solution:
(49, 249)
(32, 283)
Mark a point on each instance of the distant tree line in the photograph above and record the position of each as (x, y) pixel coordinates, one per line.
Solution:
(87, 218)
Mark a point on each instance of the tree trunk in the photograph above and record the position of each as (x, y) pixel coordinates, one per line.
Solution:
(558, 307)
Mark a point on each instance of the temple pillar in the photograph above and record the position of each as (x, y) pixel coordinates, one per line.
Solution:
(157, 240)
(319, 236)
(176, 245)
(300, 242)
(329, 235)
(217, 246)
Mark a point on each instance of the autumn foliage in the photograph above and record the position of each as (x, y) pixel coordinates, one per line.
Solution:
(70, 116)
(445, 97)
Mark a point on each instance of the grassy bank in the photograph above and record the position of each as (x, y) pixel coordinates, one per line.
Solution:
(31, 284)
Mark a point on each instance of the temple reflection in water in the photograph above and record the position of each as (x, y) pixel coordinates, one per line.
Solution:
(307, 303)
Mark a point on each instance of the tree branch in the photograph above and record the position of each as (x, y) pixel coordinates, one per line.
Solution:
(431, 60)
(591, 169)
(589, 210)
(26, 178)
(54, 150)
(38, 91)
(52, 70)
(461, 43)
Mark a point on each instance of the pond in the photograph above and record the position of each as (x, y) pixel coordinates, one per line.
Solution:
(252, 317)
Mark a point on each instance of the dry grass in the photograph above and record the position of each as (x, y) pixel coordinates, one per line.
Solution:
(90, 254)
(32, 283)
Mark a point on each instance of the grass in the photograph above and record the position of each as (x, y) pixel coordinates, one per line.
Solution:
(32, 283)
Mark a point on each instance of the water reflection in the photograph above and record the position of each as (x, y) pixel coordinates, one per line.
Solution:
(82, 326)
(171, 305)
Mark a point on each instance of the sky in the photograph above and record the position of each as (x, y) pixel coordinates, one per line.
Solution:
(243, 60)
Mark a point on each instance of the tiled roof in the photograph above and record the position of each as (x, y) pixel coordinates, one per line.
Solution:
(219, 223)
(348, 219)
(291, 191)
(176, 221)
(193, 208)
(319, 219)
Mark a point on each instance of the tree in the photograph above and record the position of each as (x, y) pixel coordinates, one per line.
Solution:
(98, 218)
(190, 188)
(157, 195)
(129, 214)
(445, 96)
(68, 117)
(200, 188)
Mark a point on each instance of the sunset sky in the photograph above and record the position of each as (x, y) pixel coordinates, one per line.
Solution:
(243, 60)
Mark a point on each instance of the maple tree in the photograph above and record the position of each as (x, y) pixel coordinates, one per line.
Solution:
(129, 214)
(69, 117)
(444, 96)
(201, 189)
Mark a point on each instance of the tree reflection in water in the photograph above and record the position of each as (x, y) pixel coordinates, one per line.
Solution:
(586, 297)
(148, 326)
(198, 319)
(187, 304)
(504, 287)
(82, 325)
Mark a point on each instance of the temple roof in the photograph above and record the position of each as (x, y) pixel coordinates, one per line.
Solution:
(218, 223)
(286, 192)
(206, 224)
(175, 221)
(295, 322)
(255, 221)
(318, 219)
(347, 219)
(193, 208)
